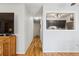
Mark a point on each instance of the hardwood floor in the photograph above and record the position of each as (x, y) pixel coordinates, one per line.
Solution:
(35, 48)
(61, 54)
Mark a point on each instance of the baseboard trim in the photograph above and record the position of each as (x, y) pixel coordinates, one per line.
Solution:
(61, 54)
(20, 55)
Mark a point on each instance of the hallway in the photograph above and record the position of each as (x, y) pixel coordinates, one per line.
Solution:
(35, 48)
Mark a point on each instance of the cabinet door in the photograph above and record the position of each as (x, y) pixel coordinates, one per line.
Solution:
(12, 45)
(1, 48)
(6, 47)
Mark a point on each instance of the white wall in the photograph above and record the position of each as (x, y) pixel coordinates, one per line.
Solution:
(41, 25)
(19, 24)
(28, 27)
(28, 30)
(36, 29)
(64, 41)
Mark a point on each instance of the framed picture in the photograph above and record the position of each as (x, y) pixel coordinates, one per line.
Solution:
(60, 21)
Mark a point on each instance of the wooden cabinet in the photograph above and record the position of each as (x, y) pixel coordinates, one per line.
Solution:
(7, 45)
(1, 47)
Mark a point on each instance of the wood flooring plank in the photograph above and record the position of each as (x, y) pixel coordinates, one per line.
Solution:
(35, 48)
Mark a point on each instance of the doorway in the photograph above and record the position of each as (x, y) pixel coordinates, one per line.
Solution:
(36, 29)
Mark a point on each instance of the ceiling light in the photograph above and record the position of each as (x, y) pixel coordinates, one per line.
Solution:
(37, 18)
